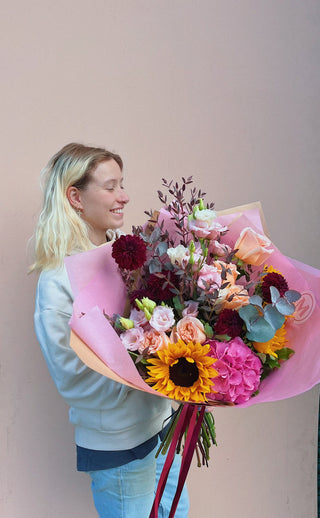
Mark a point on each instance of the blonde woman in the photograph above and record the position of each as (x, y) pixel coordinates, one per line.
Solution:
(116, 428)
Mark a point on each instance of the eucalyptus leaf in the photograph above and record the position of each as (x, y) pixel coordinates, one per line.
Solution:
(292, 295)
(249, 314)
(155, 235)
(256, 300)
(275, 294)
(155, 266)
(273, 316)
(260, 331)
(285, 307)
(162, 248)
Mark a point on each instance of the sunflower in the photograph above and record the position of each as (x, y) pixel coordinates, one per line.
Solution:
(275, 344)
(182, 371)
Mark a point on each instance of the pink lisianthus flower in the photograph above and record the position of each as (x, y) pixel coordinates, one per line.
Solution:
(218, 249)
(188, 329)
(190, 308)
(162, 318)
(153, 341)
(239, 371)
(132, 338)
(138, 317)
(209, 278)
(203, 224)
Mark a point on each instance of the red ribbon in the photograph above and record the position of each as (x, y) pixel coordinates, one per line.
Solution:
(190, 419)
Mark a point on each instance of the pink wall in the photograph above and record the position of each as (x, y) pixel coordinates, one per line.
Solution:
(225, 91)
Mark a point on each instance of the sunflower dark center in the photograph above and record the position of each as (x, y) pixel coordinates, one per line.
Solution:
(184, 373)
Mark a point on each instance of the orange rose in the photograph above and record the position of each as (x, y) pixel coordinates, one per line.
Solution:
(252, 247)
(188, 329)
(232, 276)
(240, 297)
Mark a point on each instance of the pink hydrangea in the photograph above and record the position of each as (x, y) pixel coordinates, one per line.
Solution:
(239, 371)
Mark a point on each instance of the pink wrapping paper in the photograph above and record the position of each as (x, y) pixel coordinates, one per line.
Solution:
(98, 287)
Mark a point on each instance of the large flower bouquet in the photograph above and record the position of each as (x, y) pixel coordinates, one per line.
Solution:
(207, 321)
(215, 315)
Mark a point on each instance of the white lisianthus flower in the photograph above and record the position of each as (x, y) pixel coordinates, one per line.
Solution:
(179, 255)
(206, 215)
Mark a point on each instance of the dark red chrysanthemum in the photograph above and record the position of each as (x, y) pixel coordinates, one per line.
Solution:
(229, 323)
(160, 288)
(273, 279)
(129, 252)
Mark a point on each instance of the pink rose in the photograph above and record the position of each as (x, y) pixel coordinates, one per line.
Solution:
(190, 308)
(252, 247)
(153, 341)
(188, 329)
(132, 338)
(162, 318)
(209, 278)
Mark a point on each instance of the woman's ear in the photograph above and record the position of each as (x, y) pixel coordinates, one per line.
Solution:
(73, 195)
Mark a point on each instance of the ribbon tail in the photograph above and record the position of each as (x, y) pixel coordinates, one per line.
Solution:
(177, 436)
(190, 444)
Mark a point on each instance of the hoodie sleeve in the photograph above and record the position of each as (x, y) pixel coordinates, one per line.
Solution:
(79, 385)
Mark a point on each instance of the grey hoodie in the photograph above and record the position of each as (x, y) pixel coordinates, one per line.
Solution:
(106, 414)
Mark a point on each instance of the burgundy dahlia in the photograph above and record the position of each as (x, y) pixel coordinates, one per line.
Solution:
(229, 323)
(273, 279)
(159, 287)
(129, 252)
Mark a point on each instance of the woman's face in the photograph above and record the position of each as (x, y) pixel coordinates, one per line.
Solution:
(102, 200)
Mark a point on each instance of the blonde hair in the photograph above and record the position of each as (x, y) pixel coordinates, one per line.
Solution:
(60, 231)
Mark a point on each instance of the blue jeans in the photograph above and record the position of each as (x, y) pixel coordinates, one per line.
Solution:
(128, 491)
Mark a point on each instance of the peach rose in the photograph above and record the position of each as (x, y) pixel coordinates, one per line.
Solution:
(153, 341)
(252, 247)
(240, 297)
(188, 329)
(231, 276)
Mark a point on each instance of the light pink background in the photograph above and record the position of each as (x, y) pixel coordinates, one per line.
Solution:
(225, 91)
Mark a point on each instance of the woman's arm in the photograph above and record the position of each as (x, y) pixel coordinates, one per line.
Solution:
(79, 385)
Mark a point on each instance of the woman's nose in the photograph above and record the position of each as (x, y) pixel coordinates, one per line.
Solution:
(123, 197)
